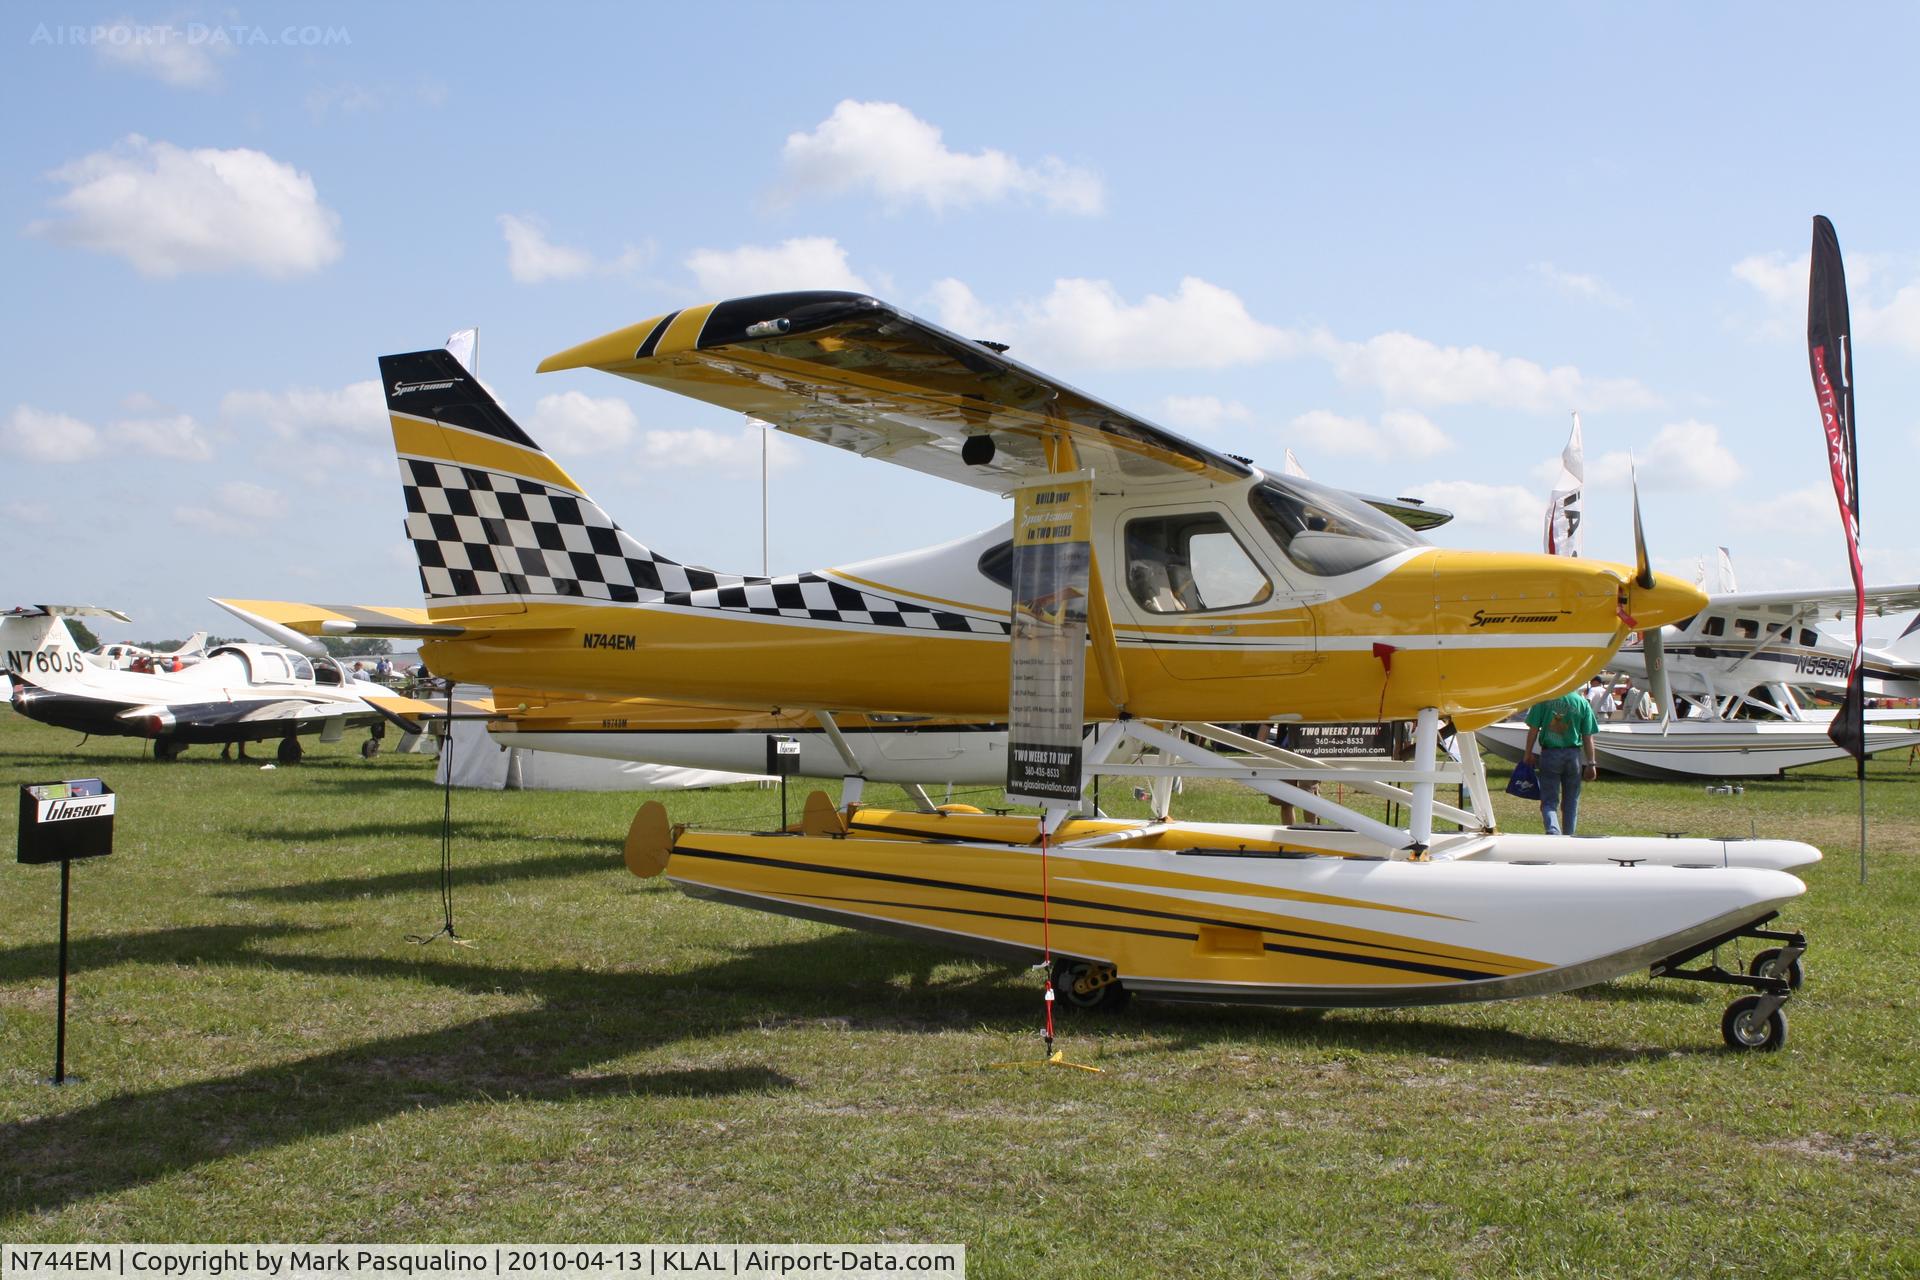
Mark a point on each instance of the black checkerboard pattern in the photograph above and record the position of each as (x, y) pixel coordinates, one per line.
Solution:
(482, 533)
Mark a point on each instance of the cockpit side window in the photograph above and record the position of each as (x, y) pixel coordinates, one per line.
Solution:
(1715, 627)
(269, 668)
(1746, 628)
(1190, 563)
(1325, 531)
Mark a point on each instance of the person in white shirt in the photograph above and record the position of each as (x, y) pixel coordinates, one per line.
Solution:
(1639, 705)
(1601, 696)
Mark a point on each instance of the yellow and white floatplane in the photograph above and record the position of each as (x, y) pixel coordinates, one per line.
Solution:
(1209, 593)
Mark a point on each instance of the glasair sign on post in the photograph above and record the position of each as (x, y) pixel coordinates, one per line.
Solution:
(1052, 555)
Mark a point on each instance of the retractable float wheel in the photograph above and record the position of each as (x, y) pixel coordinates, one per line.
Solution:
(166, 749)
(1767, 965)
(290, 751)
(1081, 986)
(370, 748)
(1744, 1028)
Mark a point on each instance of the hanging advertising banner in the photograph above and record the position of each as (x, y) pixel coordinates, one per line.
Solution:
(1830, 354)
(1052, 560)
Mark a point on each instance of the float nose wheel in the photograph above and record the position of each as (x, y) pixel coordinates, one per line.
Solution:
(1756, 1022)
(1087, 986)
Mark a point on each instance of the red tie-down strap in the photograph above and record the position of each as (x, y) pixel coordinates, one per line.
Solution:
(1385, 653)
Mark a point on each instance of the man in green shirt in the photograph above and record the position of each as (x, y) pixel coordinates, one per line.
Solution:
(1564, 728)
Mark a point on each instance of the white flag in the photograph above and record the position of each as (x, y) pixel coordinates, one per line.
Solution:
(1293, 467)
(1564, 507)
(1723, 582)
(462, 346)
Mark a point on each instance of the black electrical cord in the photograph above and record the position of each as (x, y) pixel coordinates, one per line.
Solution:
(446, 930)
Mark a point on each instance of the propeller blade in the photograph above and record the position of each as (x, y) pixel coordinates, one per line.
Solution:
(1644, 575)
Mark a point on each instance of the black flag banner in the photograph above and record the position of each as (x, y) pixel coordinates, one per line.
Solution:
(1830, 352)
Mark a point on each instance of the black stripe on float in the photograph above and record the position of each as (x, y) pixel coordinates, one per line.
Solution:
(1341, 957)
(888, 877)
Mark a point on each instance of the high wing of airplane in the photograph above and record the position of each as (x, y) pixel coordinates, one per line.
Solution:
(1756, 648)
(239, 693)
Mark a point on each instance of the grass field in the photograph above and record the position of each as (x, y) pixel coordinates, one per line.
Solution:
(266, 1057)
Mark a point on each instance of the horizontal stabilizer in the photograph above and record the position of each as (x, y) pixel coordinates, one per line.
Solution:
(293, 624)
(401, 707)
(67, 611)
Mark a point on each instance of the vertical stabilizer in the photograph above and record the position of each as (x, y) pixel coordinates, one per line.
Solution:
(494, 521)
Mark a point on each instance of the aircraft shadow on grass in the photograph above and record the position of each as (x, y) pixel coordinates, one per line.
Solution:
(590, 858)
(583, 1019)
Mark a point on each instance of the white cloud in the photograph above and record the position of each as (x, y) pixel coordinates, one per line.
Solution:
(235, 506)
(534, 259)
(1510, 508)
(1807, 510)
(704, 448)
(807, 262)
(168, 53)
(1578, 285)
(1683, 455)
(883, 148)
(574, 422)
(1087, 323)
(348, 99)
(1400, 434)
(1779, 278)
(1412, 370)
(42, 436)
(357, 410)
(168, 210)
(177, 436)
(1202, 413)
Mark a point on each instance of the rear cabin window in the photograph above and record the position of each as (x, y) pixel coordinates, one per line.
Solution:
(1808, 639)
(1746, 628)
(1190, 563)
(996, 564)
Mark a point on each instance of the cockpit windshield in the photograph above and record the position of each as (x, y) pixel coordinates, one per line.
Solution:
(1325, 531)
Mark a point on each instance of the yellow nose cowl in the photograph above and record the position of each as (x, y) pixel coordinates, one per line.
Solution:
(1667, 600)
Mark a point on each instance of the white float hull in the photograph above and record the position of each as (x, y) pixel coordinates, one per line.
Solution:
(1708, 748)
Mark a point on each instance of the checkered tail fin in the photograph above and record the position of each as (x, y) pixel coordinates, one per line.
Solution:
(496, 523)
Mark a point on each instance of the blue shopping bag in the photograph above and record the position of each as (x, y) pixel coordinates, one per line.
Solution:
(1524, 783)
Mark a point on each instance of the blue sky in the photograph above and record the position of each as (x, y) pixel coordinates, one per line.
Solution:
(1405, 241)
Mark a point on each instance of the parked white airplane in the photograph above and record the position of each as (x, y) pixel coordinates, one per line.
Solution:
(240, 693)
(132, 657)
(1735, 676)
